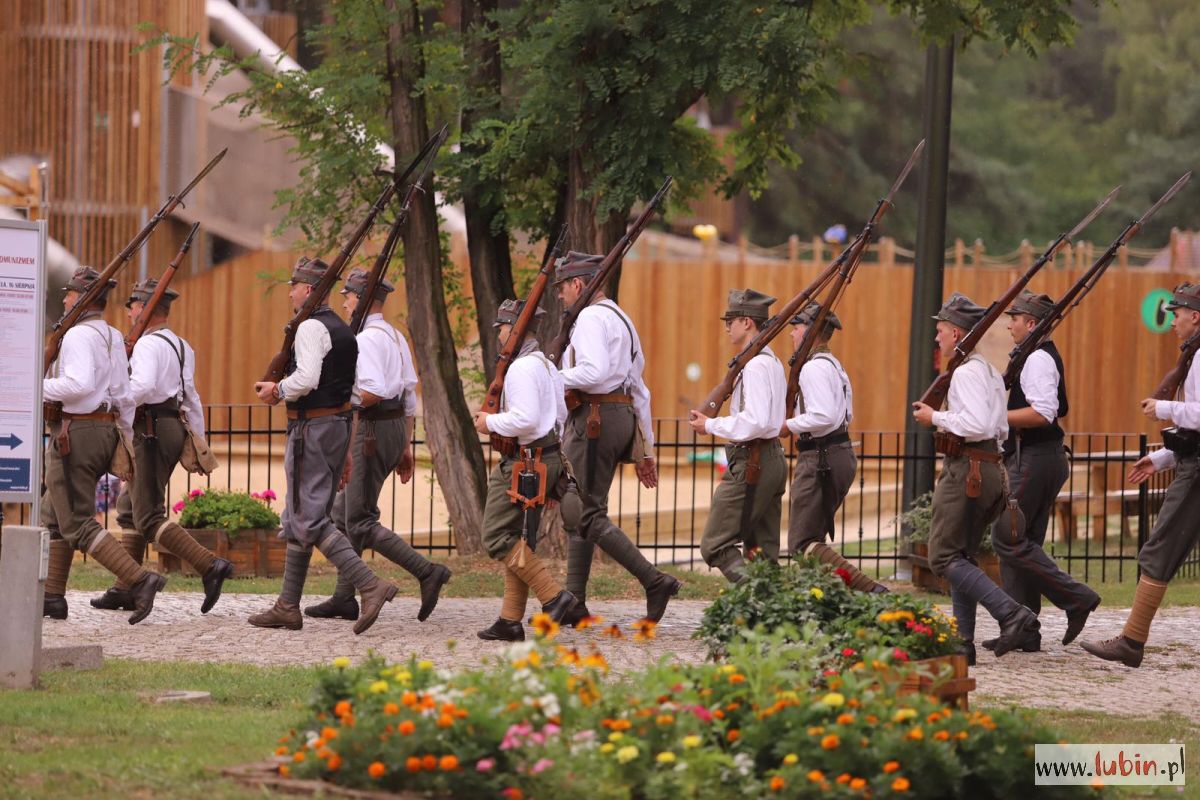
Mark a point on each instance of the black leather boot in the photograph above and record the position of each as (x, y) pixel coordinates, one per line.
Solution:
(503, 630)
(214, 578)
(658, 594)
(560, 606)
(54, 606)
(334, 608)
(431, 590)
(114, 600)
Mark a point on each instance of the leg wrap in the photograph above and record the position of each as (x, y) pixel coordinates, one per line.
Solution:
(532, 571)
(1146, 599)
(516, 595)
(827, 555)
(295, 570)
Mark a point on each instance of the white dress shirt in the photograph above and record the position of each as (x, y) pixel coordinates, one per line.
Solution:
(757, 405)
(311, 346)
(600, 363)
(1039, 382)
(385, 364)
(154, 375)
(91, 369)
(976, 403)
(826, 396)
(1184, 413)
(532, 400)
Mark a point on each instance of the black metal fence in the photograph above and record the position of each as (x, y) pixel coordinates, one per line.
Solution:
(1098, 524)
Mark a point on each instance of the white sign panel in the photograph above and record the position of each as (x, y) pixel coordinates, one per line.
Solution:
(22, 301)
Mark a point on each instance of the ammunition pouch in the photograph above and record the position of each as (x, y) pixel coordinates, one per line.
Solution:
(1183, 442)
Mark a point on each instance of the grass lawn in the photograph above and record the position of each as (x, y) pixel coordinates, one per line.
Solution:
(99, 733)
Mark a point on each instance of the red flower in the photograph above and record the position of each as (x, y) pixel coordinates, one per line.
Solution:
(849, 651)
(899, 655)
(843, 574)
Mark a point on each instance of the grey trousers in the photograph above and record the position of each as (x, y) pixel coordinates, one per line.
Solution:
(1177, 529)
(960, 522)
(1034, 480)
(142, 505)
(69, 502)
(806, 516)
(356, 508)
(313, 461)
(723, 531)
(617, 424)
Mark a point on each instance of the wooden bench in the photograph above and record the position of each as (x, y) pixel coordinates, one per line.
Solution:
(1066, 514)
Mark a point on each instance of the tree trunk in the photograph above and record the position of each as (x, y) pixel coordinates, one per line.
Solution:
(488, 250)
(453, 442)
(589, 234)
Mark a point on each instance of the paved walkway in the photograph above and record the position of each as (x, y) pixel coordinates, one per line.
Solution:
(1058, 677)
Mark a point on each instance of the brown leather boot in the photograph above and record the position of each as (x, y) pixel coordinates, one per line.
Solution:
(279, 615)
(1118, 648)
(373, 597)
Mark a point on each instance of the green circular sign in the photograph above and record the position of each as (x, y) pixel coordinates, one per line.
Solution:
(1154, 316)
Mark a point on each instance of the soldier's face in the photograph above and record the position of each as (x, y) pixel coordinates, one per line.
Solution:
(349, 303)
(740, 330)
(798, 332)
(1020, 326)
(947, 337)
(1186, 322)
(503, 333)
(70, 299)
(135, 308)
(298, 294)
(569, 291)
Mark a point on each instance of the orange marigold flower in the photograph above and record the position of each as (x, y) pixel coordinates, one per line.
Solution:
(281, 751)
(733, 735)
(830, 742)
(916, 734)
(409, 698)
(816, 776)
(891, 767)
(816, 730)
(298, 757)
(857, 784)
(391, 708)
(900, 785)
(777, 783)
(445, 721)
(737, 678)
(329, 734)
(664, 719)
(719, 714)
(376, 769)
(407, 727)
(872, 719)
(853, 702)
(448, 763)
(942, 736)
(960, 735)
(284, 771)
(412, 764)
(342, 708)
(843, 778)
(334, 763)
(621, 725)
(845, 719)
(429, 763)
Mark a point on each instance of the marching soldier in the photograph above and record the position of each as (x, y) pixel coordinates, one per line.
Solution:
(90, 384)
(1177, 529)
(162, 381)
(970, 492)
(534, 411)
(1037, 468)
(610, 424)
(825, 462)
(317, 390)
(385, 406)
(747, 504)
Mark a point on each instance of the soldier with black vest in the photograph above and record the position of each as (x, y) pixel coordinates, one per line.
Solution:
(317, 390)
(162, 371)
(609, 425)
(385, 405)
(970, 493)
(748, 503)
(91, 418)
(532, 412)
(1037, 468)
(825, 462)
(1177, 529)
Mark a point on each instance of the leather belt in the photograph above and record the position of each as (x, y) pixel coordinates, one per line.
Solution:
(756, 443)
(954, 446)
(373, 415)
(803, 445)
(316, 413)
(109, 416)
(612, 397)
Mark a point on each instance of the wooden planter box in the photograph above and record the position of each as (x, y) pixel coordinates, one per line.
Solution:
(952, 688)
(923, 577)
(255, 553)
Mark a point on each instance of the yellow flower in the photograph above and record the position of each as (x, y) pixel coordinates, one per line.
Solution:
(691, 741)
(903, 714)
(627, 753)
(728, 668)
(665, 757)
(607, 747)
(616, 736)
(403, 677)
(545, 626)
(817, 593)
(833, 700)
(790, 759)
(379, 687)
(424, 665)
(341, 662)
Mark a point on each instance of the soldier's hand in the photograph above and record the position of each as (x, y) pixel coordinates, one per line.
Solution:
(481, 422)
(647, 472)
(697, 421)
(1142, 469)
(266, 392)
(1150, 408)
(785, 431)
(405, 468)
(923, 413)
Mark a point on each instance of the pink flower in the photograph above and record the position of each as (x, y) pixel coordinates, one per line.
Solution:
(256, 495)
(485, 764)
(269, 495)
(194, 493)
(178, 507)
(540, 766)
(899, 655)
(702, 713)
(551, 729)
(584, 736)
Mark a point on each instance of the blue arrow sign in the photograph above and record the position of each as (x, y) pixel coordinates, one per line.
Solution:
(11, 440)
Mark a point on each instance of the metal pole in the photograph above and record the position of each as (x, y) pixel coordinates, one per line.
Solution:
(930, 258)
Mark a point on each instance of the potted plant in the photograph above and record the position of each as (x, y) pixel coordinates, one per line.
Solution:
(914, 526)
(239, 526)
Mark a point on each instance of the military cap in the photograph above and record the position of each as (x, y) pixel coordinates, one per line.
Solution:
(748, 303)
(143, 290)
(356, 282)
(511, 309)
(809, 314)
(83, 279)
(576, 265)
(308, 270)
(960, 311)
(1037, 306)
(1185, 295)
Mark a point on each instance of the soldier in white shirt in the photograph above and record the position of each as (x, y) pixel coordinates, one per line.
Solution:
(970, 494)
(1177, 529)
(385, 405)
(1037, 468)
(532, 412)
(162, 382)
(610, 425)
(747, 504)
(825, 462)
(90, 415)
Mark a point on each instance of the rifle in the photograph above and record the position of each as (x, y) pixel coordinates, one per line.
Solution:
(935, 395)
(1170, 383)
(491, 401)
(558, 344)
(320, 292)
(72, 315)
(143, 318)
(853, 258)
(1074, 296)
(371, 288)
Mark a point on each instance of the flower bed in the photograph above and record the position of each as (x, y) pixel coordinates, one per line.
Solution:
(237, 526)
(547, 721)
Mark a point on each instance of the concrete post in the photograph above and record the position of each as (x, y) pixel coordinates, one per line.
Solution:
(23, 561)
